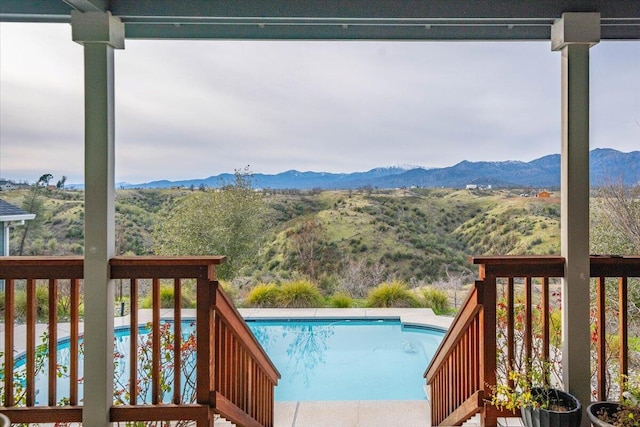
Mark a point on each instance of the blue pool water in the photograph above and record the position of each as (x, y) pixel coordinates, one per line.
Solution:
(318, 360)
(348, 359)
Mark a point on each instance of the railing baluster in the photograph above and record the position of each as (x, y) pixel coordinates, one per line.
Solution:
(466, 371)
(234, 370)
(224, 374)
(623, 319)
(455, 372)
(177, 340)
(9, 322)
(219, 380)
(133, 341)
(545, 313)
(53, 340)
(31, 342)
(476, 353)
(528, 326)
(602, 338)
(155, 342)
(74, 301)
(228, 365)
(511, 342)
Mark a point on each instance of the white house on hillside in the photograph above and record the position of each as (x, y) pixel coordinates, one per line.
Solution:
(10, 215)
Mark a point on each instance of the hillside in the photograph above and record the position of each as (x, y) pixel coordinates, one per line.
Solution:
(418, 235)
(415, 235)
(59, 230)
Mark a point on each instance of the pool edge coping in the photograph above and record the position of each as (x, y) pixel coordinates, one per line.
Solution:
(420, 317)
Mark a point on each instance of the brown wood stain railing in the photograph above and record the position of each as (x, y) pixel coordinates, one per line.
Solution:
(457, 362)
(235, 378)
(457, 395)
(620, 269)
(30, 272)
(463, 370)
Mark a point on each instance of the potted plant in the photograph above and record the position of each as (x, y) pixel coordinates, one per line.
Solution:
(625, 413)
(540, 404)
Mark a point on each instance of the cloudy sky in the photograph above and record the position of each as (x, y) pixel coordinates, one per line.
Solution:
(192, 109)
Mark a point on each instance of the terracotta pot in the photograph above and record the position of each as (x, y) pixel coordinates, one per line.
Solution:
(534, 417)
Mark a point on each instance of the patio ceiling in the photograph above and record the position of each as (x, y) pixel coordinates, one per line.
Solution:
(337, 19)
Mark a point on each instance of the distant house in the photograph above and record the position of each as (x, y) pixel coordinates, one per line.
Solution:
(10, 215)
(472, 187)
(544, 194)
(7, 185)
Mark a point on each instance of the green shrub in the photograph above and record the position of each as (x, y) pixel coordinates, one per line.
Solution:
(341, 300)
(42, 304)
(229, 289)
(299, 294)
(263, 295)
(328, 284)
(436, 300)
(167, 299)
(394, 294)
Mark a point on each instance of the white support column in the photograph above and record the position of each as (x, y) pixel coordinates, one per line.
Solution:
(99, 33)
(573, 35)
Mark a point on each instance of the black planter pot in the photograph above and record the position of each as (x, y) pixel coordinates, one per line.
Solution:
(596, 408)
(534, 417)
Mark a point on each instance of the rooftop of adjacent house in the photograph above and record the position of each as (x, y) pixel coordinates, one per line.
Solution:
(9, 212)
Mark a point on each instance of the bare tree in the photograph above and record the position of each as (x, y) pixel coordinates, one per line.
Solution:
(312, 252)
(357, 278)
(620, 204)
(34, 203)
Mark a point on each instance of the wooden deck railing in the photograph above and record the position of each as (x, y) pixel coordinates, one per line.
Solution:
(465, 366)
(613, 272)
(19, 394)
(235, 378)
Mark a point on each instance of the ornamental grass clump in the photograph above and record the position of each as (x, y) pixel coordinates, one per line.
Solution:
(167, 298)
(341, 300)
(263, 295)
(393, 294)
(299, 294)
(436, 300)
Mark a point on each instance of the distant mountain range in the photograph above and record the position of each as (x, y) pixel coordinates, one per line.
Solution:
(544, 172)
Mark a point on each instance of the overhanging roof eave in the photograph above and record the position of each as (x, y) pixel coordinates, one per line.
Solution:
(11, 218)
(324, 31)
(333, 20)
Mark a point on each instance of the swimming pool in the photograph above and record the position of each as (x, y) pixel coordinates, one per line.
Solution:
(318, 359)
(348, 359)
